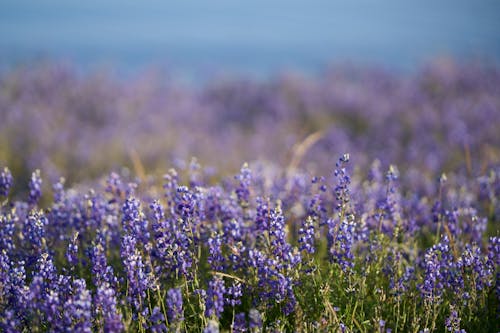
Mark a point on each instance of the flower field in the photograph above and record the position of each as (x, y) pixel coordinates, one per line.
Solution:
(360, 201)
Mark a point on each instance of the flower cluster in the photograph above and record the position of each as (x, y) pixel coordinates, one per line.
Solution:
(252, 253)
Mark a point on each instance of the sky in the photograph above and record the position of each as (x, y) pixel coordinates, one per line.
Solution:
(259, 37)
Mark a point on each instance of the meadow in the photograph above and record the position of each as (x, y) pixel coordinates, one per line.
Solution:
(358, 201)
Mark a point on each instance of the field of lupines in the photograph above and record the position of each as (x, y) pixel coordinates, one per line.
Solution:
(370, 204)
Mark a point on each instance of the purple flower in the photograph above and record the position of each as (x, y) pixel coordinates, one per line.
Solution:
(115, 186)
(452, 322)
(340, 242)
(10, 323)
(240, 323)
(262, 216)
(101, 271)
(72, 251)
(473, 260)
(35, 187)
(234, 294)
(215, 297)
(440, 271)
(164, 244)
(174, 307)
(243, 190)
(274, 286)
(59, 193)
(157, 321)
(134, 221)
(7, 228)
(342, 193)
(6, 181)
(280, 247)
(78, 308)
(106, 305)
(215, 258)
(138, 281)
(306, 235)
(34, 230)
(255, 319)
(185, 202)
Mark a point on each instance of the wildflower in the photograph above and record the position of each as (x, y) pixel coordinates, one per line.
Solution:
(174, 306)
(306, 233)
(77, 309)
(106, 306)
(72, 251)
(452, 323)
(35, 187)
(234, 294)
(240, 323)
(34, 230)
(340, 243)
(215, 258)
(134, 221)
(243, 190)
(255, 319)
(138, 281)
(215, 297)
(6, 181)
(157, 321)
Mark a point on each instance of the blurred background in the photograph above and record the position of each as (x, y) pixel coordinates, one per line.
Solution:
(92, 86)
(257, 38)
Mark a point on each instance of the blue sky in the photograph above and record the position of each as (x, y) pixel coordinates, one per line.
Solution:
(259, 36)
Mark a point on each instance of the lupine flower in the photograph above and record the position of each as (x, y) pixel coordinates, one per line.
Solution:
(4, 274)
(134, 221)
(157, 321)
(342, 193)
(215, 298)
(184, 202)
(240, 323)
(35, 187)
(452, 323)
(215, 258)
(138, 281)
(59, 193)
(340, 243)
(72, 251)
(174, 306)
(101, 271)
(114, 186)
(34, 230)
(234, 294)
(391, 205)
(16, 282)
(255, 319)
(243, 190)
(7, 229)
(106, 306)
(6, 181)
(261, 217)
(440, 271)
(280, 247)
(78, 309)
(164, 243)
(306, 236)
(44, 277)
(473, 259)
(10, 323)
(341, 230)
